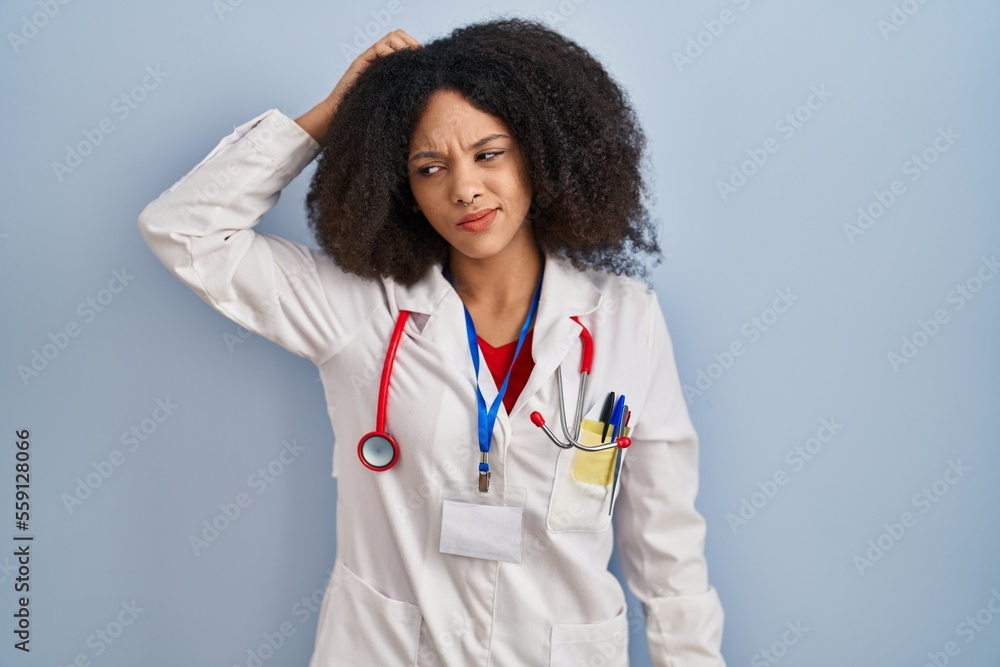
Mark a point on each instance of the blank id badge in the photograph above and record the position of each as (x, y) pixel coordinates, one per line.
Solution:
(482, 525)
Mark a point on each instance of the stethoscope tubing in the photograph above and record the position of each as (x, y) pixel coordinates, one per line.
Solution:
(390, 359)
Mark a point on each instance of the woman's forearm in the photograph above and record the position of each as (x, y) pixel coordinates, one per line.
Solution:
(317, 120)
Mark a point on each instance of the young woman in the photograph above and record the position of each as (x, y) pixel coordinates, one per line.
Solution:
(478, 201)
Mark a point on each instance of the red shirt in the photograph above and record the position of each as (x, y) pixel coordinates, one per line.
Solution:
(498, 360)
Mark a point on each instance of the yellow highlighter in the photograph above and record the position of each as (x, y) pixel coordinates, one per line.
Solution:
(594, 467)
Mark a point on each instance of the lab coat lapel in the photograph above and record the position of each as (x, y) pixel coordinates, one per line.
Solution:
(566, 291)
(438, 316)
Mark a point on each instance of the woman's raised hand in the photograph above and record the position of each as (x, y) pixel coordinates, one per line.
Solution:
(317, 120)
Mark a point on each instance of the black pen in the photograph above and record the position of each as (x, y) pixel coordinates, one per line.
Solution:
(609, 406)
(619, 456)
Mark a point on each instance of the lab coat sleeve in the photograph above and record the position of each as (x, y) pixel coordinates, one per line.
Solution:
(659, 532)
(201, 229)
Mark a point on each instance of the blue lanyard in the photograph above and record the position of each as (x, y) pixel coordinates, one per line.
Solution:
(488, 419)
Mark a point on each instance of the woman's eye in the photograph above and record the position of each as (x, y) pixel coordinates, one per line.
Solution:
(484, 156)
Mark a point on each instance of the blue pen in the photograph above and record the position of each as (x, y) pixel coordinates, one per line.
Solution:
(617, 418)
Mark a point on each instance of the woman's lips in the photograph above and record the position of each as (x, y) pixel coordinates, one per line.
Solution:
(479, 224)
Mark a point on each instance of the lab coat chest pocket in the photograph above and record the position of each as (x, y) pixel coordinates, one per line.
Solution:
(360, 626)
(582, 487)
(577, 504)
(591, 644)
(582, 481)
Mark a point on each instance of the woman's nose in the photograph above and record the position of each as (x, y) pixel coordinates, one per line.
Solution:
(465, 185)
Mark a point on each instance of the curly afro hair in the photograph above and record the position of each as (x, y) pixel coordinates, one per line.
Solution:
(581, 141)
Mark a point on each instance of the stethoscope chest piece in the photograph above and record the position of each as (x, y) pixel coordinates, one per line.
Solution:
(378, 451)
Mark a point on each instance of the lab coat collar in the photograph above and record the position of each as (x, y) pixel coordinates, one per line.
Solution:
(566, 291)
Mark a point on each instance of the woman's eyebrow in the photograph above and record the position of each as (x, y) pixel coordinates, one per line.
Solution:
(481, 142)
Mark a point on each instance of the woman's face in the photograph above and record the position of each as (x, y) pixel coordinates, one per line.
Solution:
(457, 151)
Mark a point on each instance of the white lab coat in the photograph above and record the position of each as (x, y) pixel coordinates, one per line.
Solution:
(394, 598)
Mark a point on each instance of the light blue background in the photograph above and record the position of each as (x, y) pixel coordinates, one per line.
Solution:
(825, 357)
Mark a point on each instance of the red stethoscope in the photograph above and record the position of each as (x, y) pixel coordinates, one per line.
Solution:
(379, 451)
